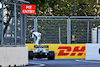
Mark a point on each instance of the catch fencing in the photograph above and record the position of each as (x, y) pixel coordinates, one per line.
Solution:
(63, 29)
(12, 24)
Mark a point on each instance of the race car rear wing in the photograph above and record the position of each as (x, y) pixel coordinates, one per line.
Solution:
(43, 46)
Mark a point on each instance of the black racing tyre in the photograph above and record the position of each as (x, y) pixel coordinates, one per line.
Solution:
(51, 55)
(30, 54)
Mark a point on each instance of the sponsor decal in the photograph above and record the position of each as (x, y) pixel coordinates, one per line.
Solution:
(68, 50)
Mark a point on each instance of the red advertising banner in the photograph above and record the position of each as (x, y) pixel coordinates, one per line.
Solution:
(28, 9)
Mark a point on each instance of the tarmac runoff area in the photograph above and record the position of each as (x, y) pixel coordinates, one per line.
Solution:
(62, 63)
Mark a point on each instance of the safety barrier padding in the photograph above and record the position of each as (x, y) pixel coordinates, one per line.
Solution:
(64, 51)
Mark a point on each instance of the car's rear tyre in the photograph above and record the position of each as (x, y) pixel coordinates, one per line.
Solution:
(30, 54)
(51, 55)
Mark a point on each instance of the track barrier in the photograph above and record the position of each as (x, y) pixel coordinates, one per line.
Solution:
(64, 51)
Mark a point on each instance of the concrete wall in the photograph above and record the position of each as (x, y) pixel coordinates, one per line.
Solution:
(13, 56)
(92, 51)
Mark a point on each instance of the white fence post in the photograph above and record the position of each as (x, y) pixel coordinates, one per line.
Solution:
(68, 31)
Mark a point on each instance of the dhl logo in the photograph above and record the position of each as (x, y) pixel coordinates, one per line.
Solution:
(67, 50)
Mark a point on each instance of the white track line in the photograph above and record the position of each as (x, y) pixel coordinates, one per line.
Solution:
(87, 61)
(37, 63)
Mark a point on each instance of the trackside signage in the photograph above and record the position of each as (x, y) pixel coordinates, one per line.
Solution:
(28, 9)
(66, 51)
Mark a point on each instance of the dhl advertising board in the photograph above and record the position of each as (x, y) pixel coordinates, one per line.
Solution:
(65, 51)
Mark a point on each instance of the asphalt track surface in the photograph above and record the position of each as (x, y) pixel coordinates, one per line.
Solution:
(65, 63)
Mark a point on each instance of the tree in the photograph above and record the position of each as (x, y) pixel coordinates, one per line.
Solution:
(65, 7)
(52, 7)
(86, 8)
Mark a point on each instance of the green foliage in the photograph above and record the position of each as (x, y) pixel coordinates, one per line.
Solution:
(65, 7)
(85, 8)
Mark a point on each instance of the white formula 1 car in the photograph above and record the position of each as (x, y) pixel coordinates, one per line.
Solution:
(41, 52)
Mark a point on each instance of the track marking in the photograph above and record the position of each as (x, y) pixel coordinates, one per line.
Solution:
(42, 65)
(87, 61)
